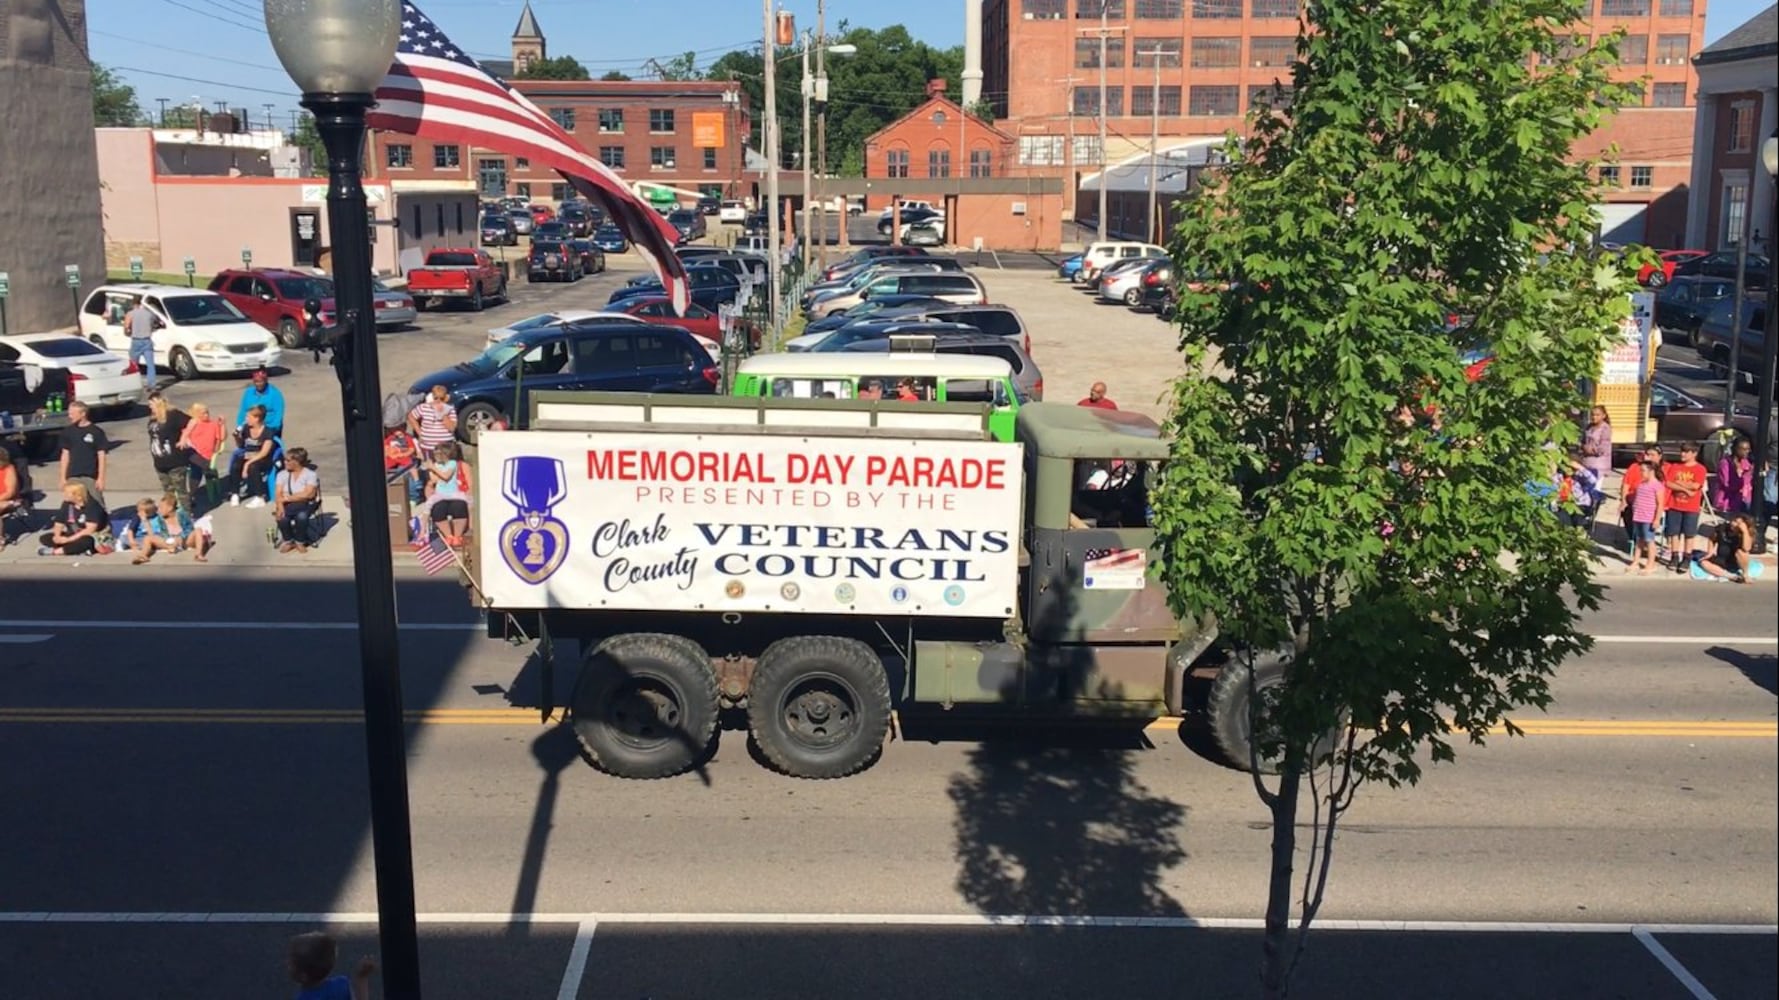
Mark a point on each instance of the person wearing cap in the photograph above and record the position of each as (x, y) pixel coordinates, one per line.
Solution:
(262, 393)
(870, 389)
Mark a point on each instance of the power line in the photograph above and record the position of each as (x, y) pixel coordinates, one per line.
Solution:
(211, 83)
(217, 17)
(183, 52)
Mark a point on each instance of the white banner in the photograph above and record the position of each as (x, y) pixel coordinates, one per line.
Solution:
(748, 523)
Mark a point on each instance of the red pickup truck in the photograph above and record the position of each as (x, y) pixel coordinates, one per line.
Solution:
(463, 275)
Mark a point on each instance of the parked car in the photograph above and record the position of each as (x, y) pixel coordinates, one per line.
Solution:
(106, 382)
(732, 213)
(523, 223)
(911, 210)
(578, 219)
(866, 256)
(689, 222)
(541, 214)
(590, 355)
(1713, 339)
(856, 278)
(1683, 303)
(394, 306)
(1098, 255)
(1069, 267)
(1660, 273)
(930, 233)
(591, 257)
(610, 239)
(816, 329)
(1722, 264)
(1028, 380)
(958, 287)
(200, 332)
(709, 204)
(1123, 281)
(512, 201)
(710, 287)
(553, 231)
(738, 264)
(755, 224)
(994, 320)
(454, 274)
(1680, 418)
(551, 260)
(498, 230)
(275, 298)
(658, 309)
(909, 217)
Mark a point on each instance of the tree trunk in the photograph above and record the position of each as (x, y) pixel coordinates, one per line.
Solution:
(1275, 948)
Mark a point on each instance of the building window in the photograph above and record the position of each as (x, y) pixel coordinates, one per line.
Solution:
(1269, 96)
(896, 163)
(1169, 106)
(521, 163)
(980, 163)
(1633, 50)
(1735, 212)
(1217, 9)
(1087, 53)
(612, 156)
(1044, 10)
(1167, 50)
(661, 120)
(1160, 10)
(939, 162)
(1624, 8)
(1570, 46)
(1670, 95)
(1212, 101)
(1040, 150)
(439, 216)
(1676, 8)
(1670, 50)
(1112, 9)
(1214, 53)
(399, 157)
(558, 192)
(563, 117)
(1087, 101)
(1642, 177)
(524, 191)
(1272, 51)
(1273, 8)
(710, 157)
(446, 157)
(611, 119)
(1609, 176)
(661, 158)
(1089, 150)
(1741, 127)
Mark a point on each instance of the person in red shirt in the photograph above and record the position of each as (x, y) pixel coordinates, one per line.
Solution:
(1096, 398)
(1685, 481)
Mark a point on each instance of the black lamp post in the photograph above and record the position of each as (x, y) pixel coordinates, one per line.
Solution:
(1763, 431)
(337, 51)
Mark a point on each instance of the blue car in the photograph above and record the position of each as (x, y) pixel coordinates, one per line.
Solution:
(711, 286)
(1069, 268)
(610, 239)
(872, 307)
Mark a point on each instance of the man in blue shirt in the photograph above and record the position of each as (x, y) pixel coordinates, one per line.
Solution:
(262, 393)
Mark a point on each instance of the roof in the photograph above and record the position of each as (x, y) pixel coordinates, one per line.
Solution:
(1176, 168)
(814, 365)
(925, 109)
(1753, 39)
(1059, 430)
(150, 288)
(527, 24)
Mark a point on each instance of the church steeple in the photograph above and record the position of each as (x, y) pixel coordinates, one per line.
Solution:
(528, 40)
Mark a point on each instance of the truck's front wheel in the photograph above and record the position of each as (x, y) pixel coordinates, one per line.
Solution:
(819, 706)
(1230, 718)
(646, 705)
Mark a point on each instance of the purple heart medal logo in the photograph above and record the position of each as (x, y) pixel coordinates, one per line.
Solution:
(534, 543)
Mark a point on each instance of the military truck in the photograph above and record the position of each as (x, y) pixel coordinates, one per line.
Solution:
(819, 564)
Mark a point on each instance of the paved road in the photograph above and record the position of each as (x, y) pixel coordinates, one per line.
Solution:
(213, 765)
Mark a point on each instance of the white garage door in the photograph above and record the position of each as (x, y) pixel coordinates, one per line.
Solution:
(1623, 222)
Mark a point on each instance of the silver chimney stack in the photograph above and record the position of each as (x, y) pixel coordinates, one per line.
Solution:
(972, 52)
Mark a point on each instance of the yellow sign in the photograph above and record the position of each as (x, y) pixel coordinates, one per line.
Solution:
(707, 129)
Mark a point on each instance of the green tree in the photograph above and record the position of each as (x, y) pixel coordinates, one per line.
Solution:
(1353, 509)
(680, 67)
(612, 75)
(114, 101)
(308, 138)
(556, 68)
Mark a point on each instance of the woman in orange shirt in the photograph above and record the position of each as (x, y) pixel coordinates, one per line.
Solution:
(202, 436)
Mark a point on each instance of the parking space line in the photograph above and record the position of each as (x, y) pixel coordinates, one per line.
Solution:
(1672, 964)
(577, 961)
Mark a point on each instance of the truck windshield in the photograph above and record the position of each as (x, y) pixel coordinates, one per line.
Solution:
(451, 260)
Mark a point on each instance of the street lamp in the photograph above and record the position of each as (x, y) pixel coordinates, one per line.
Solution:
(809, 92)
(337, 52)
(1763, 431)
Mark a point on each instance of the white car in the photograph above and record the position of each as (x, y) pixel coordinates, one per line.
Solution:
(910, 203)
(198, 332)
(97, 377)
(732, 212)
(501, 333)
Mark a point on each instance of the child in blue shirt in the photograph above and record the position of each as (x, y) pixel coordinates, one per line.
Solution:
(311, 962)
(144, 527)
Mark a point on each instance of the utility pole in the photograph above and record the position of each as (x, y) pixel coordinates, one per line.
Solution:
(271, 126)
(1154, 139)
(769, 136)
(821, 128)
(162, 101)
(807, 84)
(1105, 7)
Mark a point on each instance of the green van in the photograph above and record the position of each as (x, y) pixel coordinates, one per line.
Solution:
(907, 376)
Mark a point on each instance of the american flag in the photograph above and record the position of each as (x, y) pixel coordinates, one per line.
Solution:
(436, 91)
(1114, 558)
(434, 554)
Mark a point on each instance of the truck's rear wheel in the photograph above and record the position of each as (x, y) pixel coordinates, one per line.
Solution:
(1227, 709)
(475, 301)
(819, 706)
(646, 705)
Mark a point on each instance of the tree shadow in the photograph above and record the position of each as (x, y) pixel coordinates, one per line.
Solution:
(1063, 830)
(1762, 668)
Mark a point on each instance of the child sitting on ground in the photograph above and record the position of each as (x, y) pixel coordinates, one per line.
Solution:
(311, 963)
(176, 532)
(144, 527)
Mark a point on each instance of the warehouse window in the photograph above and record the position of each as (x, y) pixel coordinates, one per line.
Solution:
(1273, 8)
(1276, 51)
(1087, 101)
(1624, 8)
(660, 119)
(611, 119)
(1087, 53)
(896, 163)
(1269, 96)
(1670, 50)
(1633, 50)
(563, 117)
(1040, 150)
(1148, 50)
(1215, 53)
(1214, 100)
(1112, 9)
(1670, 95)
(1677, 8)
(1642, 177)
(1160, 10)
(1140, 98)
(1217, 9)
(1044, 10)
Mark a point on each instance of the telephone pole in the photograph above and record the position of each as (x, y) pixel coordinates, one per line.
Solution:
(769, 139)
(1154, 140)
(1105, 7)
(821, 128)
(163, 103)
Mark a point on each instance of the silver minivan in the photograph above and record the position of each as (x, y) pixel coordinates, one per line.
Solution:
(951, 286)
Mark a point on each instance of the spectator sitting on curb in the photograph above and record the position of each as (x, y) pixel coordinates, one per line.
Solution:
(79, 527)
(144, 525)
(1733, 551)
(310, 961)
(297, 495)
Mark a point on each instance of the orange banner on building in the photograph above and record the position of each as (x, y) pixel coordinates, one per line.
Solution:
(707, 129)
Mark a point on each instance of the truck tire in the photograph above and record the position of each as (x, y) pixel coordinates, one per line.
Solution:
(646, 705)
(1226, 708)
(819, 706)
(475, 300)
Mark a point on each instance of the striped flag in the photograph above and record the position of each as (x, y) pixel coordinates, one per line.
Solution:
(434, 554)
(436, 91)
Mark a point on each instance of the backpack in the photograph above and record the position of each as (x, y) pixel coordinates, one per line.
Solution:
(397, 406)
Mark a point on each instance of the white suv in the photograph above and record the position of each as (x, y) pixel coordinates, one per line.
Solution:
(732, 212)
(1098, 255)
(199, 331)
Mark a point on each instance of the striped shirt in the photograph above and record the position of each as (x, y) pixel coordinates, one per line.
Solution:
(1645, 501)
(436, 424)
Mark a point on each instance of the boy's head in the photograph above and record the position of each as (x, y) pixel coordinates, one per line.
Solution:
(145, 508)
(168, 505)
(311, 958)
(1689, 452)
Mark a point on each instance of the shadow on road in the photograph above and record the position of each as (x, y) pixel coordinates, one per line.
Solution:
(1761, 668)
(555, 751)
(1047, 829)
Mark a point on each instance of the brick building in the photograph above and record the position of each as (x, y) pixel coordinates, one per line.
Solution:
(1738, 109)
(1215, 59)
(937, 139)
(689, 136)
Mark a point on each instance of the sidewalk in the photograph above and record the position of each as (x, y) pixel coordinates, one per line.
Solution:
(1612, 550)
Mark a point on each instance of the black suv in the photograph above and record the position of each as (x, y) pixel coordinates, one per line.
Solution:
(553, 261)
(1684, 302)
(1723, 265)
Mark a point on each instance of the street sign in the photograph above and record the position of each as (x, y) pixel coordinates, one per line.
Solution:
(136, 268)
(5, 284)
(191, 267)
(246, 256)
(73, 273)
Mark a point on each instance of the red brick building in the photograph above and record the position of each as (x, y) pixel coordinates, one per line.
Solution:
(1738, 109)
(937, 140)
(1214, 59)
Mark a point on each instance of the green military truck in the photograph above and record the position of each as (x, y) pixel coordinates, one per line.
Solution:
(819, 565)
